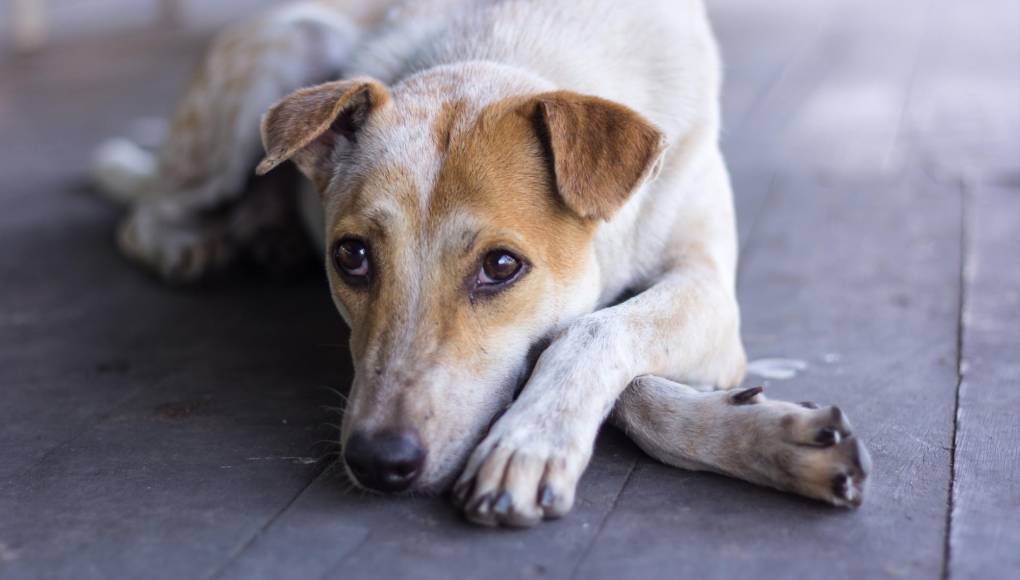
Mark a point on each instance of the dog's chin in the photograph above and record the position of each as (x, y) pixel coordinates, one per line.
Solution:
(435, 488)
(439, 479)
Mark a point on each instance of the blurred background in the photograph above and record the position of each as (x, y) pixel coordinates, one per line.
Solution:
(29, 25)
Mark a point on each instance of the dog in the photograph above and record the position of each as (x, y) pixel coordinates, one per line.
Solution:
(527, 224)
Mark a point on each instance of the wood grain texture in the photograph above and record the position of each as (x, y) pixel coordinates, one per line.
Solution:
(426, 538)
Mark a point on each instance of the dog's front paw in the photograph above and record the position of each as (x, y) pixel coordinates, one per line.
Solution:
(522, 473)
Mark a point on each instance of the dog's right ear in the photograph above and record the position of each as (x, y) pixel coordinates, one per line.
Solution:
(307, 126)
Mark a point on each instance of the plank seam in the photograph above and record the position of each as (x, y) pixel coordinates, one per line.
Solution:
(347, 556)
(605, 519)
(965, 267)
(218, 572)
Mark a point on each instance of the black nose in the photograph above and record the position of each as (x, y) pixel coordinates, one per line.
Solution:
(385, 461)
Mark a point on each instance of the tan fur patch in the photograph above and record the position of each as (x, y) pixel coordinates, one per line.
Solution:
(601, 150)
(498, 171)
(443, 124)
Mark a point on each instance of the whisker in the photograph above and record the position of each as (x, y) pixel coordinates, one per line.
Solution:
(342, 396)
(326, 442)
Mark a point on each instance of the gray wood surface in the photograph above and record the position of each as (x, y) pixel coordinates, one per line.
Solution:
(986, 490)
(875, 150)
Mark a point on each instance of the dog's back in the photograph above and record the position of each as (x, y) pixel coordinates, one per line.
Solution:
(657, 56)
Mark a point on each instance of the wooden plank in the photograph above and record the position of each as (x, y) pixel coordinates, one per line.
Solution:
(985, 525)
(964, 126)
(209, 433)
(59, 248)
(52, 229)
(363, 536)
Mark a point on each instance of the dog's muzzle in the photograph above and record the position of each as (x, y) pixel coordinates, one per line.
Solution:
(387, 461)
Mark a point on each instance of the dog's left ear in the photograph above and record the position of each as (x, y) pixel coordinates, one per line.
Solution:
(601, 151)
(307, 126)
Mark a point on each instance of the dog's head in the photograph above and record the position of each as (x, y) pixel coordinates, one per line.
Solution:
(459, 235)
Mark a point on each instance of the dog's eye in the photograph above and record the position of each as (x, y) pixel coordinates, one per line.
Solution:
(498, 267)
(351, 259)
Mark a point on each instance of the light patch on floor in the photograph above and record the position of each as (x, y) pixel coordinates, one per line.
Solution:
(7, 554)
(778, 369)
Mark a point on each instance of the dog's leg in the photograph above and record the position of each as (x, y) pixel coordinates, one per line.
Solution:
(179, 224)
(181, 244)
(793, 447)
(527, 468)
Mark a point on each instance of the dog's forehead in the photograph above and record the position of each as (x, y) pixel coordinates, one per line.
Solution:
(418, 163)
(399, 160)
(410, 145)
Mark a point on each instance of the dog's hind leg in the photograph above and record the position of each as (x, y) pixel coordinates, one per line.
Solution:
(795, 447)
(263, 227)
(179, 221)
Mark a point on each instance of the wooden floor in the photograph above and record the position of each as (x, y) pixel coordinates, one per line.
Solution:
(147, 432)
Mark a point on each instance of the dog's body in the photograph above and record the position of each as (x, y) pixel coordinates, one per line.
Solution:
(494, 176)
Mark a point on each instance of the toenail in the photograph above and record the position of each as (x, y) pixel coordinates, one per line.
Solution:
(747, 395)
(461, 491)
(546, 497)
(839, 485)
(479, 502)
(503, 503)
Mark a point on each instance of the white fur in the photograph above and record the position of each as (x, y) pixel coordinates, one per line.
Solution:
(123, 171)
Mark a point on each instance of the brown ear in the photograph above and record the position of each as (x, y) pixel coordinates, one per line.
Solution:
(601, 150)
(307, 126)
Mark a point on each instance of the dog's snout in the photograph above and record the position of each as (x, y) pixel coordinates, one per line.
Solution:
(387, 461)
